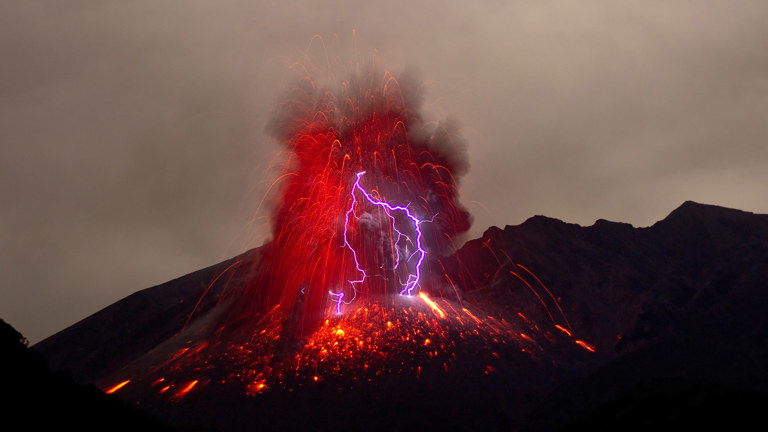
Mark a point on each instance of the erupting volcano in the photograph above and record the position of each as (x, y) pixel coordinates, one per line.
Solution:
(356, 290)
(369, 195)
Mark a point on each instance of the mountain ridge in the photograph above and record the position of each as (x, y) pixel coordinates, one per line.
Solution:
(674, 299)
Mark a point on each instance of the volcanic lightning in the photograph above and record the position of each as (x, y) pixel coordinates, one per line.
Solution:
(363, 173)
(412, 280)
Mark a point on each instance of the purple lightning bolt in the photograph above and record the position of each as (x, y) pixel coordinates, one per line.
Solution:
(413, 279)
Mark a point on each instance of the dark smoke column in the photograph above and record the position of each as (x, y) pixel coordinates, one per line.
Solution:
(368, 123)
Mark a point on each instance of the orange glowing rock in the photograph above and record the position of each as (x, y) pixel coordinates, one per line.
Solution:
(184, 391)
(257, 386)
(562, 329)
(432, 304)
(585, 345)
(117, 387)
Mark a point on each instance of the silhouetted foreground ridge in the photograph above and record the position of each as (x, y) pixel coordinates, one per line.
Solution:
(36, 399)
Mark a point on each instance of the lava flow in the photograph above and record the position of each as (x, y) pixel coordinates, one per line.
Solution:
(347, 289)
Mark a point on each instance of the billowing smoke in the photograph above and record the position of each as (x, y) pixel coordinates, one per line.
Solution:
(331, 244)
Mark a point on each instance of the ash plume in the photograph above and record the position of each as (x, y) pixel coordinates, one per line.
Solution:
(369, 123)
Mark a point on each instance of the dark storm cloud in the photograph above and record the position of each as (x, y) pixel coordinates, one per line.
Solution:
(132, 143)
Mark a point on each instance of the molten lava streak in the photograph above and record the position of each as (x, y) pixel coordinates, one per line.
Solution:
(116, 387)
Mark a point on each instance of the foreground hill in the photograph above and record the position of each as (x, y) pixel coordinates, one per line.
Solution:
(34, 398)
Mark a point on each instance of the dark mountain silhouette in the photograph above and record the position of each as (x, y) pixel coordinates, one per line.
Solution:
(34, 398)
(676, 312)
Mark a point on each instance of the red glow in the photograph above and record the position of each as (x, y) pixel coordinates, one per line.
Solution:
(257, 386)
(366, 123)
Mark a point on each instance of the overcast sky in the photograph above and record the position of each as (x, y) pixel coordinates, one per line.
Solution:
(133, 149)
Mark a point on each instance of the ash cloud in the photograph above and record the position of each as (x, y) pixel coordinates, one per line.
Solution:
(338, 112)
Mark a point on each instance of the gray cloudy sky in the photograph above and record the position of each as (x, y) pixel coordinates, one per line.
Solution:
(133, 151)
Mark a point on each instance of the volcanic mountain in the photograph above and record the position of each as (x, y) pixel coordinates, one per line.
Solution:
(535, 326)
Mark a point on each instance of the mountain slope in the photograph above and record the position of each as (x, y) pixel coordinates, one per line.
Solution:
(684, 298)
(35, 398)
(116, 335)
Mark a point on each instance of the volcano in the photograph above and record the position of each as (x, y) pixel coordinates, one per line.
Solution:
(538, 326)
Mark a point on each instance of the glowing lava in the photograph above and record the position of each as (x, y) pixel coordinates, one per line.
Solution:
(434, 306)
(116, 387)
(396, 336)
